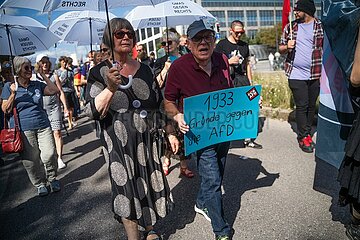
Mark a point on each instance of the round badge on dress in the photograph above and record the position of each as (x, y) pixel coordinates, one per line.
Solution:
(136, 103)
(143, 114)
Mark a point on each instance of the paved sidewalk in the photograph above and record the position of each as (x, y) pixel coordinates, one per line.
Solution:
(269, 194)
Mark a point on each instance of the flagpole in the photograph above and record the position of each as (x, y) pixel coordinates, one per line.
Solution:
(290, 20)
(291, 14)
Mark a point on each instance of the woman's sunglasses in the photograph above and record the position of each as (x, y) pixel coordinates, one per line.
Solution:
(120, 34)
(104, 50)
(168, 42)
(29, 68)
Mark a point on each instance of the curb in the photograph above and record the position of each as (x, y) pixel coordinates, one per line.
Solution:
(278, 113)
(283, 114)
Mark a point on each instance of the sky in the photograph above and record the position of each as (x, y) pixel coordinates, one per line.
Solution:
(61, 49)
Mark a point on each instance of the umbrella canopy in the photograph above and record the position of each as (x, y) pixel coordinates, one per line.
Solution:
(71, 5)
(83, 27)
(22, 35)
(169, 13)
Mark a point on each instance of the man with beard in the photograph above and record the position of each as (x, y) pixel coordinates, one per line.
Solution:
(202, 71)
(238, 53)
(302, 40)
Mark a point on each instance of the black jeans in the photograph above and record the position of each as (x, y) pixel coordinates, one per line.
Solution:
(305, 95)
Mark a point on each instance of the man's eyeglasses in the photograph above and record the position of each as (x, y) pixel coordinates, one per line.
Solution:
(168, 42)
(104, 50)
(207, 38)
(29, 68)
(121, 34)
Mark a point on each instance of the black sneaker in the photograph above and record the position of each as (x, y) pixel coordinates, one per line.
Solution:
(226, 237)
(353, 232)
(253, 144)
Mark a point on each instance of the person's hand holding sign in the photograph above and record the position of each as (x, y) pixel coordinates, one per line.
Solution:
(179, 118)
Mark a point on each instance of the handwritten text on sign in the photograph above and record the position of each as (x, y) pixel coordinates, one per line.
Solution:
(221, 116)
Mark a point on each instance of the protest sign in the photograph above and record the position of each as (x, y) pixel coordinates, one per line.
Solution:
(221, 116)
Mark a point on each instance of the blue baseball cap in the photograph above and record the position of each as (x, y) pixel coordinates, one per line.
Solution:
(198, 26)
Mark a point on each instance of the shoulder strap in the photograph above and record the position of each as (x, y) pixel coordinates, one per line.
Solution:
(16, 118)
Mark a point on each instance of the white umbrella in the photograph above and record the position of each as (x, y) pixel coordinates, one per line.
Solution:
(83, 27)
(169, 13)
(75, 5)
(22, 35)
(69, 5)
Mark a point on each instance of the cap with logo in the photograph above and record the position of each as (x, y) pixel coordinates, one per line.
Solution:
(198, 26)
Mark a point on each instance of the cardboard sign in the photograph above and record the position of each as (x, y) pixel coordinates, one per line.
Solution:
(221, 116)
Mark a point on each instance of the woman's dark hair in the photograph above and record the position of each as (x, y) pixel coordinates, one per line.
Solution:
(46, 59)
(117, 24)
(63, 58)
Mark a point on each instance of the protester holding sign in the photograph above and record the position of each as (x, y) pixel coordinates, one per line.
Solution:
(200, 72)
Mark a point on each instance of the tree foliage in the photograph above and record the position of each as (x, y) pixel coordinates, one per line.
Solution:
(266, 36)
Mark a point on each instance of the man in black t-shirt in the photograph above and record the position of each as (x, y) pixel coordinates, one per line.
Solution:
(237, 52)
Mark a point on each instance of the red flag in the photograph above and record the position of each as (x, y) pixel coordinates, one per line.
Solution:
(285, 13)
(134, 52)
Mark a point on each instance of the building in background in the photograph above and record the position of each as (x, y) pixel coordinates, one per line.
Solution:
(255, 14)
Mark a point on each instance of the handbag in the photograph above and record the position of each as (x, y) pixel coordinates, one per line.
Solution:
(10, 138)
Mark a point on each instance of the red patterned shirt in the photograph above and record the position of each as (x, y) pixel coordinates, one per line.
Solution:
(317, 48)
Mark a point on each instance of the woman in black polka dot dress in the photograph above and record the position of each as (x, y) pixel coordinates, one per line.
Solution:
(130, 119)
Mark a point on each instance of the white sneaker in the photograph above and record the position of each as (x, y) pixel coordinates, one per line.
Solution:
(203, 212)
(61, 164)
(42, 190)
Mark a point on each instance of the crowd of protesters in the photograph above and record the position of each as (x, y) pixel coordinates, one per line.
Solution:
(54, 94)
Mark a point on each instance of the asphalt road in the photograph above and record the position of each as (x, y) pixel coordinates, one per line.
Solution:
(277, 192)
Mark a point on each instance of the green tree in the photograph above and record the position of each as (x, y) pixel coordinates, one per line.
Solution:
(267, 36)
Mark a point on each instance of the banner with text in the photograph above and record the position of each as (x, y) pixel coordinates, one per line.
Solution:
(221, 116)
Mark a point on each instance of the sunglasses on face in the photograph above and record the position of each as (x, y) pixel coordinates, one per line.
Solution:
(168, 42)
(238, 32)
(28, 68)
(104, 50)
(207, 38)
(139, 50)
(121, 34)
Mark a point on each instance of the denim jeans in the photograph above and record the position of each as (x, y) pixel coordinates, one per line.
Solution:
(39, 152)
(211, 166)
(305, 95)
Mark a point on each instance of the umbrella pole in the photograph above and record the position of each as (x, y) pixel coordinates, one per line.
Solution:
(11, 54)
(109, 28)
(90, 25)
(167, 36)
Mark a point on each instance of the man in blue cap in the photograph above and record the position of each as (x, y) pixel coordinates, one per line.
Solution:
(200, 72)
